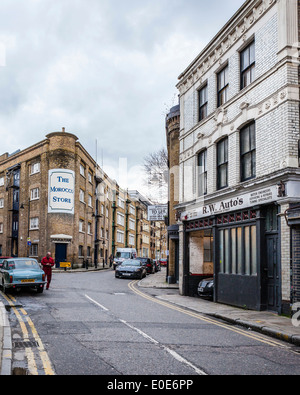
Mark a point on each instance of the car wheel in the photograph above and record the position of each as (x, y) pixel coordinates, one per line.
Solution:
(40, 290)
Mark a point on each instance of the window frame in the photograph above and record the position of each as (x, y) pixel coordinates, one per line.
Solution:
(203, 102)
(202, 172)
(223, 164)
(249, 69)
(251, 132)
(34, 193)
(34, 223)
(222, 91)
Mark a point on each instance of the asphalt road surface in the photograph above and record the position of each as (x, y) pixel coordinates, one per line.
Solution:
(93, 324)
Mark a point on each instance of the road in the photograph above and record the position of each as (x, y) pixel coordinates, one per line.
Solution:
(93, 324)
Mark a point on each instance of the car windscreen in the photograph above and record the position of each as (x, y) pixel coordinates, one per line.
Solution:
(24, 264)
(131, 263)
(142, 259)
(125, 255)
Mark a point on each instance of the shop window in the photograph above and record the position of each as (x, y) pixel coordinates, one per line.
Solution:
(237, 250)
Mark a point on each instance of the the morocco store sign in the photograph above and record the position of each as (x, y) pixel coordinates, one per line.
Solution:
(61, 194)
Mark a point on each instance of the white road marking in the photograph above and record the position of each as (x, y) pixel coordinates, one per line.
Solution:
(173, 353)
(96, 303)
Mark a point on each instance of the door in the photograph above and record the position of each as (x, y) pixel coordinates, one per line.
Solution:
(177, 261)
(60, 254)
(273, 273)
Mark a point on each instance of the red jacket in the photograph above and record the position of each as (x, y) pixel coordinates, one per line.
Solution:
(46, 260)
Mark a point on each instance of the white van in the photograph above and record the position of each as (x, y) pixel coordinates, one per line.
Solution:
(123, 254)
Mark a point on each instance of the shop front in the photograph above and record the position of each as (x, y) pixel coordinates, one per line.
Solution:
(238, 242)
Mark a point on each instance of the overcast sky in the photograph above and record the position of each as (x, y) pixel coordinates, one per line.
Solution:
(105, 70)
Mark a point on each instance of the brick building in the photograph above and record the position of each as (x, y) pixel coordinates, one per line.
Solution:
(239, 159)
(54, 197)
(172, 137)
(48, 197)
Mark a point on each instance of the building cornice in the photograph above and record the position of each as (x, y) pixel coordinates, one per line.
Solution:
(236, 29)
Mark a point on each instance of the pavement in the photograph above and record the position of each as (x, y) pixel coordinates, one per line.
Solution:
(267, 323)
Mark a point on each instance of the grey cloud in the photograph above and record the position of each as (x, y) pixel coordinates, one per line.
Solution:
(104, 69)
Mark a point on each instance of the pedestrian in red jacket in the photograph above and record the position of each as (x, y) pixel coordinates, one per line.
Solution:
(48, 263)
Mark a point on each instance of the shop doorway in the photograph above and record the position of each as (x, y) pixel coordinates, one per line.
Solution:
(273, 272)
(272, 259)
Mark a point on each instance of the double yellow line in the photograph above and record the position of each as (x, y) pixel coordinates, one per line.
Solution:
(25, 323)
(199, 316)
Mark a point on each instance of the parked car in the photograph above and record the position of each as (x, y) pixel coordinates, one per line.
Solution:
(206, 288)
(2, 258)
(163, 261)
(148, 263)
(122, 254)
(132, 268)
(157, 267)
(19, 273)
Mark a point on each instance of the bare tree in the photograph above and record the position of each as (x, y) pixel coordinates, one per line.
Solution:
(156, 170)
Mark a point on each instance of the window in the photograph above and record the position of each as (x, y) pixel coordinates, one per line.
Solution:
(89, 228)
(34, 248)
(90, 203)
(248, 152)
(120, 219)
(35, 168)
(88, 251)
(1, 181)
(82, 170)
(131, 239)
(81, 222)
(81, 195)
(34, 223)
(223, 86)
(247, 60)
(203, 103)
(121, 203)
(35, 194)
(202, 173)
(1, 227)
(131, 224)
(90, 177)
(120, 237)
(1, 202)
(222, 164)
(237, 251)
(80, 251)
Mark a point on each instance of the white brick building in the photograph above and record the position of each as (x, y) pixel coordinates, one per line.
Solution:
(239, 157)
